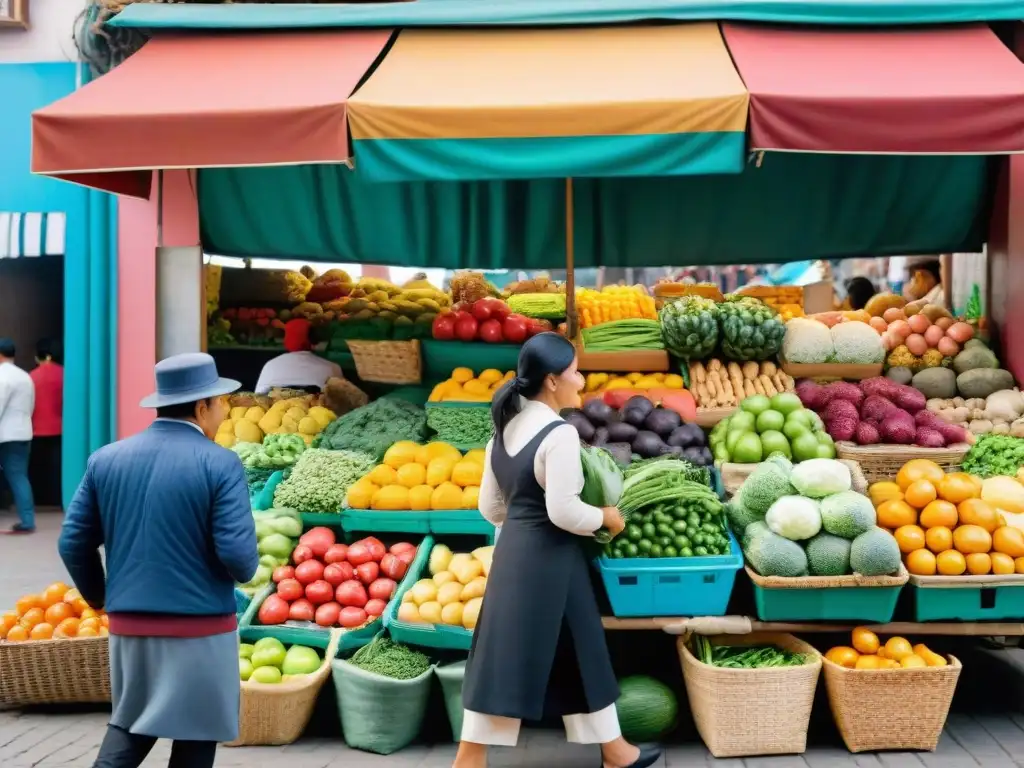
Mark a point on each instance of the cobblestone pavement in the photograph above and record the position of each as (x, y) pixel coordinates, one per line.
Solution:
(54, 738)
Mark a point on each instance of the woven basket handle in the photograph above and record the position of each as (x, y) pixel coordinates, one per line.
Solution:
(710, 625)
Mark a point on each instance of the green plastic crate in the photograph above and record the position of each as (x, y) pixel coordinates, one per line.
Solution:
(315, 519)
(468, 521)
(440, 358)
(981, 598)
(376, 521)
(874, 604)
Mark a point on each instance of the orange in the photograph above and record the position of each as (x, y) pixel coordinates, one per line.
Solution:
(42, 631)
(910, 538)
(17, 634)
(104, 632)
(950, 563)
(89, 624)
(1018, 565)
(979, 564)
(1009, 541)
(897, 648)
(843, 656)
(1002, 564)
(71, 595)
(919, 469)
(869, 661)
(921, 562)
(931, 658)
(88, 632)
(938, 539)
(913, 661)
(895, 513)
(105, 620)
(939, 513)
(54, 593)
(957, 487)
(67, 628)
(88, 613)
(883, 491)
(7, 621)
(57, 612)
(27, 603)
(865, 641)
(920, 494)
(32, 617)
(969, 539)
(978, 512)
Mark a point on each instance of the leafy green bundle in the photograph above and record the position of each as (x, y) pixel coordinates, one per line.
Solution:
(374, 428)
(744, 656)
(389, 659)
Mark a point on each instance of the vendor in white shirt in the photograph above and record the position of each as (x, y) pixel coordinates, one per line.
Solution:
(299, 367)
(17, 401)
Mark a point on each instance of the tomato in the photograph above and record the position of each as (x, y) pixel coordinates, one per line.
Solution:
(290, 590)
(338, 553)
(359, 553)
(352, 617)
(319, 592)
(377, 548)
(301, 554)
(402, 546)
(466, 328)
(273, 611)
(327, 614)
(367, 572)
(282, 573)
(375, 608)
(490, 331)
(309, 571)
(382, 589)
(351, 593)
(481, 310)
(499, 309)
(393, 567)
(515, 329)
(301, 610)
(318, 539)
(407, 556)
(334, 574)
(443, 328)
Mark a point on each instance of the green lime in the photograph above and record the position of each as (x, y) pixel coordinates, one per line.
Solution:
(805, 446)
(755, 404)
(774, 441)
(748, 449)
(770, 421)
(786, 403)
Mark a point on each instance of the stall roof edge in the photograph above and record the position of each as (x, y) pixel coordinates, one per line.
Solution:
(442, 13)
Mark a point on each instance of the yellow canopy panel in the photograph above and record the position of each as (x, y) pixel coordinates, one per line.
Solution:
(526, 103)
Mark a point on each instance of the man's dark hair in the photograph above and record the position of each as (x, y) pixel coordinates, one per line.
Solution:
(932, 265)
(7, 348)
(859, 290)
(49, 348)
(179, 411)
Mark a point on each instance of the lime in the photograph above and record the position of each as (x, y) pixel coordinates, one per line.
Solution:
(805, 446)
(774, 441)
(786, 403)
(801, 416)
(748, 448)
(733, 437)
(770, 421)
(755, 404)
(826, 451)
(742, 421)
(794, 429)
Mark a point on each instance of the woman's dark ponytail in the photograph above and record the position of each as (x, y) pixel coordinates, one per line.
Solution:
(543, 355)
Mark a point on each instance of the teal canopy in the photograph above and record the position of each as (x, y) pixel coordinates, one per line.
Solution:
(792, 207)
(450, 13)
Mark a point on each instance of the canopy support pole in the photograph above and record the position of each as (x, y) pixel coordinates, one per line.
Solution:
(572, 321)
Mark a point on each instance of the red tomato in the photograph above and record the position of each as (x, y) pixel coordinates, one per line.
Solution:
(515, 329)
(352, 617)
(327, 614)
(282, 573)
(290, 590)
(490, 331)
(351, 593)
(318, 539)
(406, 556)
(367, 572)
(334, 573)
(481, 310)
(338, 553)
(401, 546)
(466, 328)
(375, 608)
(359, 553)
(392, 567)
(443, 328)
(382, 589)
(301, 554)
(319, 592)
(377, 548)
(301, 610)
(309, 571)
(499, 309)
(273, 611)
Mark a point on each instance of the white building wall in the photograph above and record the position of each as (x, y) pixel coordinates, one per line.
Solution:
(50, 36)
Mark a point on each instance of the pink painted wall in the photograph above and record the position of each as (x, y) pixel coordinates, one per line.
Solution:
(136, 289)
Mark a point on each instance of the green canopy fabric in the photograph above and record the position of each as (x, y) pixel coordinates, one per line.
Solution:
(793, 207)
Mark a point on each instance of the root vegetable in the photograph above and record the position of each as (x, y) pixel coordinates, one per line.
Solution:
(703, 394)
(714, 364)
(769, 388)
(698, 373)
(751, 370)
(1017, 428)
(959, 401)
(759, 388)
(1001, 429)
(768, 368)
(779, 382)
(748, 388)
(712, 385)
(980, 426)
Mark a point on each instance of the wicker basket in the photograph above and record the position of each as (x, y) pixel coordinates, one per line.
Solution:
(828, 582)
(55, 672)
(882, 462)
(388, 362)
(915, 703)
(742, 712)
(733, 476)
(273, 715)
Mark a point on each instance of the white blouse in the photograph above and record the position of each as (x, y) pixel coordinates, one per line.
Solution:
(557, 467)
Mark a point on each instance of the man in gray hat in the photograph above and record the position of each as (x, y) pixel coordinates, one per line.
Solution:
(171, 508)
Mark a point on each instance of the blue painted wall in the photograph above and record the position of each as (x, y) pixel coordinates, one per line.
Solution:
(90, 260)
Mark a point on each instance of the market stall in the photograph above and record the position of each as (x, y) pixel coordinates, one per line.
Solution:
(823, 501)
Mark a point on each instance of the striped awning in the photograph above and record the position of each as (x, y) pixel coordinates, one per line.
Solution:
(31, 234)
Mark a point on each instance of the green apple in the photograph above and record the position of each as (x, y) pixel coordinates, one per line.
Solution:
(245, 651)
(270, 675)
(245, 669)
(268, 642)
(300, 660)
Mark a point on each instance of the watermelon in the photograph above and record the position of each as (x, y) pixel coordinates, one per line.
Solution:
(647, 708)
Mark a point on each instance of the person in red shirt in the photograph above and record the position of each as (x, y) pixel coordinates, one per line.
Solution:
(47, 424)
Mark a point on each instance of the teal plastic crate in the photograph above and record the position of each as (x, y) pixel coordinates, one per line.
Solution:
(671, 586)
(973, 598)
(440, 358)
(468, 521)
(317, 519)
(265, 498)
(376, 521)
(875, 604)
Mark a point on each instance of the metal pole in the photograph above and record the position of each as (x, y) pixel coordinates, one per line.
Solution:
(572, 321)
(159, 208)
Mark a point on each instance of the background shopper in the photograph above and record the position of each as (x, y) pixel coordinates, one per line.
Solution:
(47, 424)
(17, 401)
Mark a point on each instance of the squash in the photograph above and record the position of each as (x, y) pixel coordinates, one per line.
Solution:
(931, 658)
(438, 450)
(467, 473)
(391, 498)
(400, 454)
(1002, 564)
(865, 641)
(1008, 540)
(420, 498)
(446, 495)
(490, 376)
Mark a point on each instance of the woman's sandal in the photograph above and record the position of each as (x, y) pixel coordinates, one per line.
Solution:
(648, 757)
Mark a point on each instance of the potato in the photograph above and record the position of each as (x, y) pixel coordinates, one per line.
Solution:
(751, 370)
(980, 426)
(1001, 429)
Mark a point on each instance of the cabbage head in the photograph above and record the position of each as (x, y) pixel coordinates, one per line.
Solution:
(819, 478)
(794, 517)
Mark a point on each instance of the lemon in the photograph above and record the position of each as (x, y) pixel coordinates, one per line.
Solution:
(431, 612)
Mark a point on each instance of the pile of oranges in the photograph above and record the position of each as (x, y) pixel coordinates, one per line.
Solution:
(943, 526)
(868, 652)
(58, 612)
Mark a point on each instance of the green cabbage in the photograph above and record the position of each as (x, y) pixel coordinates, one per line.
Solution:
(602, 478)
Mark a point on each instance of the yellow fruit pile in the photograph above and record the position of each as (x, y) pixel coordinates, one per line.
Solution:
(465, 387)
(454, 592)
(614, 303)
(291, 416)
(602, 382)
(947, 524)
(415, 302)
(413, 477)
(56, 613)
(868, 652)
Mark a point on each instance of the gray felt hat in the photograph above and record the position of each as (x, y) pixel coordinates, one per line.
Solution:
(187, 378)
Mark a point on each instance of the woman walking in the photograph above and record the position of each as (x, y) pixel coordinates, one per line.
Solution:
(539, 647)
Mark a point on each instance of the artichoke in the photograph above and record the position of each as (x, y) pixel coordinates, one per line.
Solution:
(689, 327)
(751, 330)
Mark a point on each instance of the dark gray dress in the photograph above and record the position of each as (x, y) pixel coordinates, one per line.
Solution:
(539, 648)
